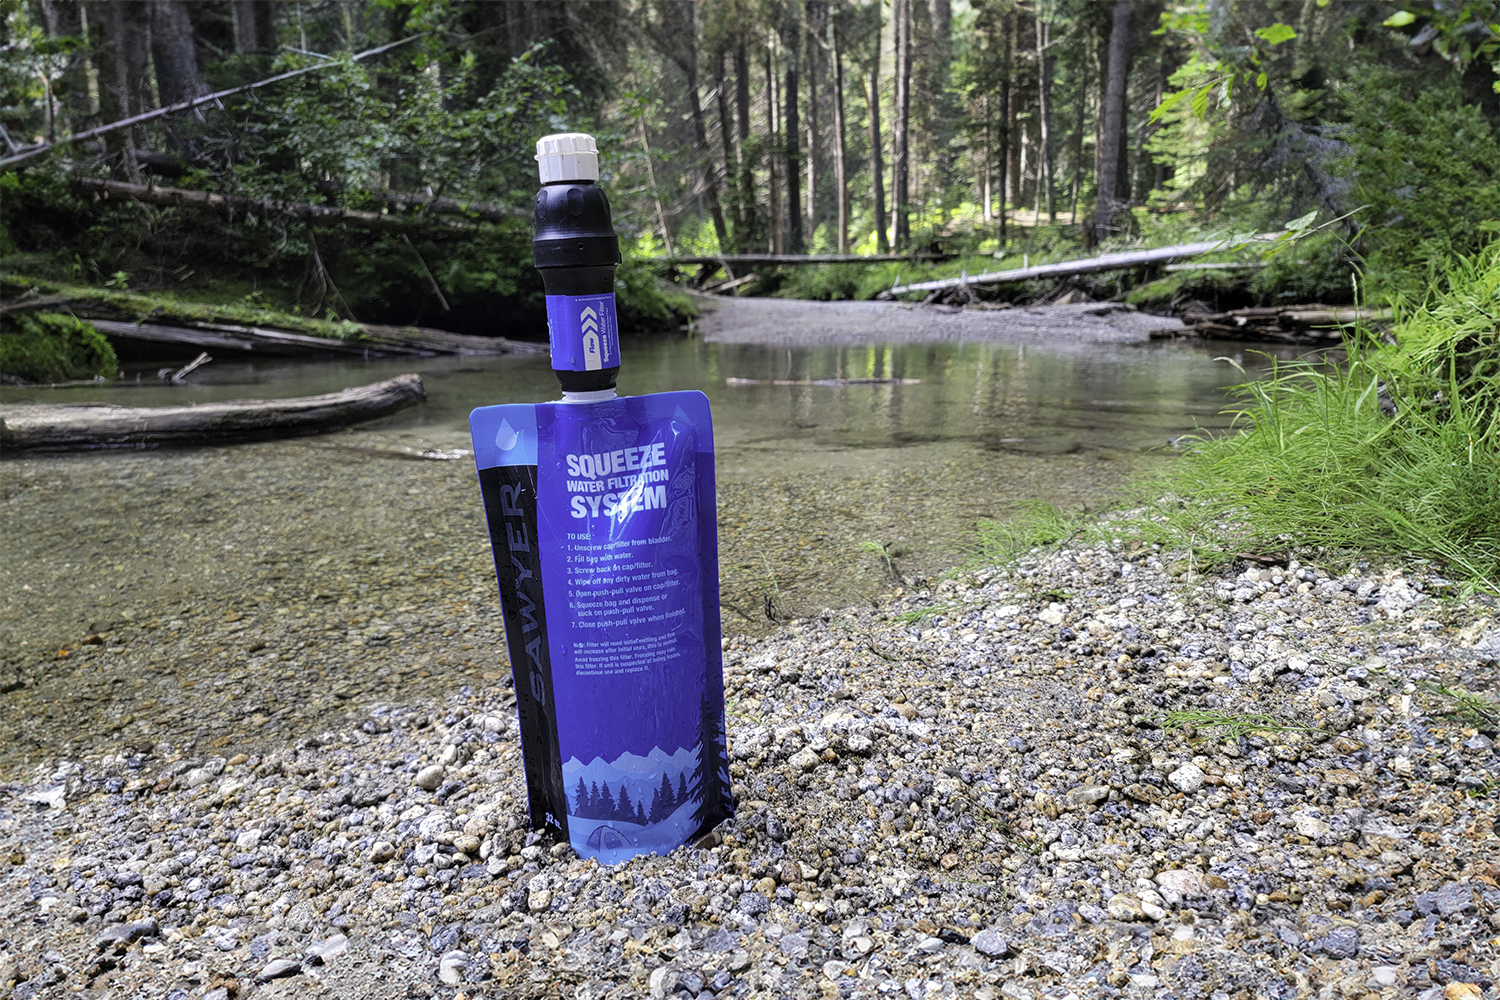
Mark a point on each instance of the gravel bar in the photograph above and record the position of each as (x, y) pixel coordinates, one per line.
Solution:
(958, 791)
(797, 323)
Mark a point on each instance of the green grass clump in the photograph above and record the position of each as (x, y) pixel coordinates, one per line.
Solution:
(1033, 525)
(53, 347)
(1395, 452)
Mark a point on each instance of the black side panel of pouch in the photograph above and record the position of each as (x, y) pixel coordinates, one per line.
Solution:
(510, 508)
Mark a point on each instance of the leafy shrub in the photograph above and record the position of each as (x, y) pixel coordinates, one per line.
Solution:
(53, 347)
(1428, 164)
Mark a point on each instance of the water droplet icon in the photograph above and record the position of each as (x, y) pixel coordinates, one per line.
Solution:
(507, 437)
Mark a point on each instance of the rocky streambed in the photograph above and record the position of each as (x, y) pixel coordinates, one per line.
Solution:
(967, 791)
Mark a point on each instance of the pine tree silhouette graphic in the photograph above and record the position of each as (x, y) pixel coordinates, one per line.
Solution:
(711, 777)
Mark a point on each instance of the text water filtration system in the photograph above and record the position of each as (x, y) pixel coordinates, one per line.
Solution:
(602, 517)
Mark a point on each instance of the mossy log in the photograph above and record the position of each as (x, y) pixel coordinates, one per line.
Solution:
(83, 426)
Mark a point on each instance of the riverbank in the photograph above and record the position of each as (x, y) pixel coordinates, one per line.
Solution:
(800, 323)
(960, 790)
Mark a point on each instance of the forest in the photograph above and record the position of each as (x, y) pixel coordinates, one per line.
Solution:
(371, 161)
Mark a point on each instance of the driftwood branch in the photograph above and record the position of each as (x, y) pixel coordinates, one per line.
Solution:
(76, 426)
(1063, 269)
(31, 152)
(316, 214)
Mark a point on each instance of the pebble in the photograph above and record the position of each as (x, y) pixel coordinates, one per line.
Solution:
(990, 942)
(451, 967)
(279, 967)
(430, 777)
(1187, 778)
(994, 791)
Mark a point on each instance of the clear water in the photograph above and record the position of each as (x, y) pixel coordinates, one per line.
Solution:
(992, 397)
(828, 493)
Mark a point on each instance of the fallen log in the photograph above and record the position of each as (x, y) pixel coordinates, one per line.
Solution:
(794, 259)
(270, 207)
(373, 341)
(1067, 268)
(1305, 324)
(822, 381)
(82, 426)
(227, 337)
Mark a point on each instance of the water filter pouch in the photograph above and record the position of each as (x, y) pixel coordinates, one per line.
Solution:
(584, 331)
(603, 522)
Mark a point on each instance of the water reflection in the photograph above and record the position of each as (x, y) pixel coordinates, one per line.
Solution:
(811, 475)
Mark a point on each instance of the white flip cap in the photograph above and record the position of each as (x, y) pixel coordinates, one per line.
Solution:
(567, 156)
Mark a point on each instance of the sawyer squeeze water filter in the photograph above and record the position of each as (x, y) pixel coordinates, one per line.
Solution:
(576, 250)
(602, 517)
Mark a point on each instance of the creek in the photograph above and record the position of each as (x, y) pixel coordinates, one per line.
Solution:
(250, 590)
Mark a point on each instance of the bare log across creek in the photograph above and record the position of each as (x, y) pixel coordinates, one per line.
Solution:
(82, 426)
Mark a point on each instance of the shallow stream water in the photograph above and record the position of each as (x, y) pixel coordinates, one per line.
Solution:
(828, 495)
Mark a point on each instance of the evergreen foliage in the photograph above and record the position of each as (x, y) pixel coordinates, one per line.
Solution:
(53, 347)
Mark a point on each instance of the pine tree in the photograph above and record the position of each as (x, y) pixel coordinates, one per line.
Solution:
(682, 789)
(640, 815)
(604, 806)
(711, 777)
(664, 798)
(581, 799)
(596, 810)
(624, 811)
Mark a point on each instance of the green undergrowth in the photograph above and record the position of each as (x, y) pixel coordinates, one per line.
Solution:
(1397, 451)
(1394, 452)
(165, 307)
(53, 347)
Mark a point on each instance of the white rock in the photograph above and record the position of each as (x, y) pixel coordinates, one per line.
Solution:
(1179, 882)
(430, 777)
(1187, 778)
(381, 851)
(804, 760)
(1124, 906)
(538, 902)
(451, 967)
(660, 979)
(248, 841)
(1309, 825)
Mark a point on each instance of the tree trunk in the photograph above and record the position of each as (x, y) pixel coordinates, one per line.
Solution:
(877, 181)
(1112, 142)
(677, 39)
(901, 126)
(124, 80)
(771, 158)
(661, 212)
(1006, 123)
(1044, 66)
(67, 19)
(840, 161)
(791, 40)
(939, 71)
(726, 142)
(1014, 139)
(254, 26)
(1080, 116)
(746, 205)
(817, 15)
(174, 51)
